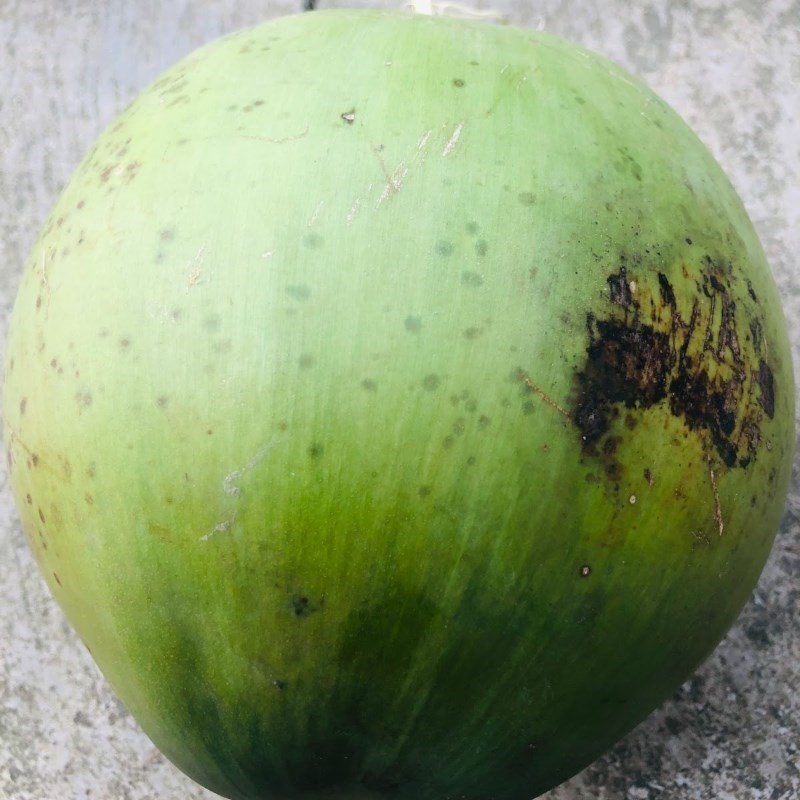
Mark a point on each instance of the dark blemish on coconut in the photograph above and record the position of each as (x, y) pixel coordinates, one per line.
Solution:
(528, 407)
(647, 353)
(222, 346)
(471, 279)
(458, 83)
(472, 228)
(688, 240)
(167, 235)
(316, 450)
(424, 491)
(279, 684)
(648, 476)
(471, 461)
(103, 332)
(91, 470)
(473, 332)
(124, 344)
(306, 361)
(58, 580)
(232, 107)
(38, 302)
(349, 116)
(162, 401)
(459, 426)
(526, 198)
(448, 442)
(413, 324)
(444, 248)
(481, 248)
(471, 405)
(585, 571)
(313, 241)
(431, 382)
(300, 293)
(22, 405)
(751, 291)
(41, 517)
(176, 314)
(369, 385)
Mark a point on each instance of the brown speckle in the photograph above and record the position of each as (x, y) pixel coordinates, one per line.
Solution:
(316, 450)
(41, 516)
(431, 382)
(369, 385)
(471, 279)
(22, 405)
(458, 83)
(349, 116)
(413, 324)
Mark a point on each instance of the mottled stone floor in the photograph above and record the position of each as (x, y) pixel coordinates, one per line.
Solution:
(730, 67)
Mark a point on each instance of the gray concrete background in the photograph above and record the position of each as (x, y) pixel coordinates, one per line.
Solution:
(730, 67)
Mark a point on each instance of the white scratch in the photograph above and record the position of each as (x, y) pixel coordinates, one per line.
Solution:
(424, 140)
(394, 182)
(353, 211)
(448, 148)
(314, 216)
(267, 254)
(196, 267)
(220, 527)
(228, 482)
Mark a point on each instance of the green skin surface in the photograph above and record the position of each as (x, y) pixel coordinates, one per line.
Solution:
(270, 440)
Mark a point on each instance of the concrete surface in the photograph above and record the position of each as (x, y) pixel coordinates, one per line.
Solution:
(730, 67)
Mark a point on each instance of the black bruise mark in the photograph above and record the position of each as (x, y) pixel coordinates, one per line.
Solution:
(766, 382)
(667, 292)
(635, 364)
(625, 364)
(620, 289)
(303, 607)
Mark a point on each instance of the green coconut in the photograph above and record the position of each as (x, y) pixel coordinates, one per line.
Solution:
(398, 407)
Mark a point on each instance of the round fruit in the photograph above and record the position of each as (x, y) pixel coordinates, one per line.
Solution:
(397, 407)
